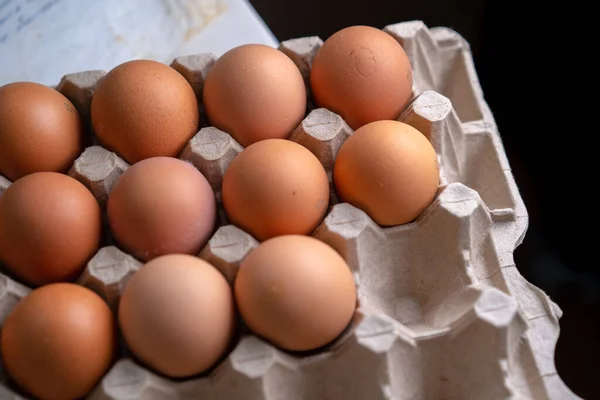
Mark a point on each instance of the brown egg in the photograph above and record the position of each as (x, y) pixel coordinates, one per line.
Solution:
(40, 130)
(144, 109)
(159, 206)
(296, 292)
(362, 74)
(255, 92)
(50, 227)
(59, 341)
(177, 315)
(275, 187)
(389, 170)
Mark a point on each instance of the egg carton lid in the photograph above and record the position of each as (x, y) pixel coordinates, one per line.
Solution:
(444, 312)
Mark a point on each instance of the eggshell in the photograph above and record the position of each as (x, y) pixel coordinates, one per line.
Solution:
(59, 341)
(161, 205)
(40, 130)
(254, 92)
(389, 170)
(177, 315)
(275, 187)
(50, 227)
(296, 292)
(144, 109)
(362, 74)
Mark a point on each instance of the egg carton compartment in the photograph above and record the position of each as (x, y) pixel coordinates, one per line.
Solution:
(444, 312)
(379, 360)
(425, 328)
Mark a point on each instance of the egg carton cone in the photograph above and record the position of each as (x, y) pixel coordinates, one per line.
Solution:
(443, 310)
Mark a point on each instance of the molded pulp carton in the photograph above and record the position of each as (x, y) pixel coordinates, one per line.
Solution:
(444, 312)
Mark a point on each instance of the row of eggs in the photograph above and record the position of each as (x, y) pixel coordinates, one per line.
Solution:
(143, 109)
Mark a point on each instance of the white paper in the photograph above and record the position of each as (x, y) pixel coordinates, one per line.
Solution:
(42, 40)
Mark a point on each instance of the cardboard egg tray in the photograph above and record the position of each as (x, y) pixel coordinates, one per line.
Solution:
(444, 312)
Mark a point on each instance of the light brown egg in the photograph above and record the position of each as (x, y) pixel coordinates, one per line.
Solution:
(177, 315)
(296, 292)
(161, 205)
(362, 74)
(40, 130)
(389, 170)
(144, 109)
(255, 92)
(50, 227)
(275, 187)
(59, 341)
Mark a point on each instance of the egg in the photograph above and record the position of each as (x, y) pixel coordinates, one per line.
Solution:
(161, 205)
(50, 227)
(144, 109)
(296, 292)
(275, 187)
(362, 74)
(59, 341)
(389, 170)
(177, 315)
(254, 92)
(40, 130)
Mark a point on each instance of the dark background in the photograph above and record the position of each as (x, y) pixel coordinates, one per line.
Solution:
(534, 65)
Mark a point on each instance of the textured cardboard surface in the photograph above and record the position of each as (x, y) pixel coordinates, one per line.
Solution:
(108, 272)
(98, 169)
(79, 89)
(194, 68)
(444, 312)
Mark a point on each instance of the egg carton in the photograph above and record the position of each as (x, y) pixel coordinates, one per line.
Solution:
(443, 310)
